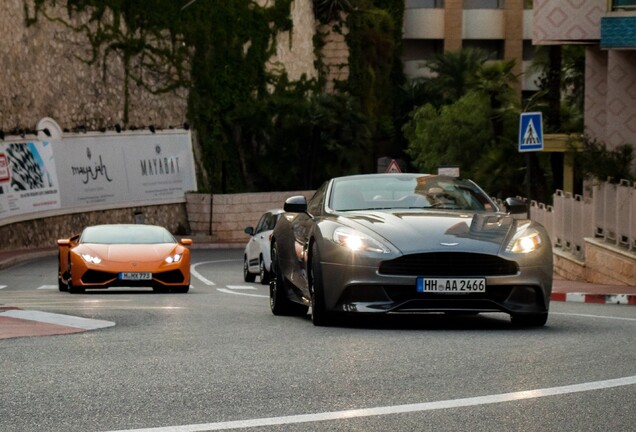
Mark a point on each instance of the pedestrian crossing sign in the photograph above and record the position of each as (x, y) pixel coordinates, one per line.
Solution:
(531, 132)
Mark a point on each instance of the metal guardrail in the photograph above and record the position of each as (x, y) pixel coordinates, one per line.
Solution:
(609, 214)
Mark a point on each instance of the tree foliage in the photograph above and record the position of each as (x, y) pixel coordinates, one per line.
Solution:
(472, 121)
(597, 161)
(257, 130)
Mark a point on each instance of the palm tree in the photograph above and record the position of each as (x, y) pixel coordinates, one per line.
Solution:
(496, 79)
(454, 72)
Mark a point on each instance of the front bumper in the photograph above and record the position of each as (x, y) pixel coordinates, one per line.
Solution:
(362, 289)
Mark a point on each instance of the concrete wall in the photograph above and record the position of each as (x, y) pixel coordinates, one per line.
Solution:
(604, 264)
(222, 218)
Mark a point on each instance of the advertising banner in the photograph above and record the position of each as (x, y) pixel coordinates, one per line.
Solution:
(28, 179)
(88, 172)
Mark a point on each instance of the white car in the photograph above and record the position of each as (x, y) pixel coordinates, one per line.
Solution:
(257, 259)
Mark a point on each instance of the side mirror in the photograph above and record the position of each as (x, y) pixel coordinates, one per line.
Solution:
(515, 206)
(296, 204)
(249, 230)
(186, 241)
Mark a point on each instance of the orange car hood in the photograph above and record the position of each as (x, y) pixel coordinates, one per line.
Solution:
(128, 252)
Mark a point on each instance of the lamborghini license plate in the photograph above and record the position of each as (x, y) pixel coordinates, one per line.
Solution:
(451, 286)
(135, 276)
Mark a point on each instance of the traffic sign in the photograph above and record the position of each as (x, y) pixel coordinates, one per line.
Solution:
(393, 167)
(531, 132)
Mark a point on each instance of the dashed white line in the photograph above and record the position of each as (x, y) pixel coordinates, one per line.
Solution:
(3, 286)
(241, 287)
(229, 291)
(47, 287)
(396, 409)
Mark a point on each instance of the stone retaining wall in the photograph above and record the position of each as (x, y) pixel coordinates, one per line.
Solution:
(222, 218)
(604, 264)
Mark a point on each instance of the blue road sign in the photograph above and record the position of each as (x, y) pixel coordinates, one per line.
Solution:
(531, 132)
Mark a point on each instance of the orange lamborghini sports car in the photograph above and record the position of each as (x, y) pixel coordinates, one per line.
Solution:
(124, 255)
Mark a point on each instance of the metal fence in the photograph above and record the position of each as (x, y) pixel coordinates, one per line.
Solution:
(609, 215)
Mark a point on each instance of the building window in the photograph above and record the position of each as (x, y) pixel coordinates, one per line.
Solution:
(421, 49)
(494, 48)
(424, 4)
(624, 5)
(529, 50)
(483, 4)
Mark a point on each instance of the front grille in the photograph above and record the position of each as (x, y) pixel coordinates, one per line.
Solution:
(404, 293)
(449, 264)
(97, 277)
(94, 277)
(170, 277)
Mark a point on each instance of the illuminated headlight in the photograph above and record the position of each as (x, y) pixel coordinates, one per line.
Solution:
(91, 259)
(173, 258)
(356, 241)
(525, 241)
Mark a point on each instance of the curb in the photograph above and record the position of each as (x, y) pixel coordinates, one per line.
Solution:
(622, 299)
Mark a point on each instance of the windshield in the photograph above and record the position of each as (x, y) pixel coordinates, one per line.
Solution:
(126, 234)
(387, 191)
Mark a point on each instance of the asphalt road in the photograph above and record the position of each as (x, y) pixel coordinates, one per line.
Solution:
(217, 359)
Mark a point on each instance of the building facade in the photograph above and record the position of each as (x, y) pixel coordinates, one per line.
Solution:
(503, 28)
(608, 29)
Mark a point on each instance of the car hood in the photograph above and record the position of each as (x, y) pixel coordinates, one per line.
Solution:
(127, 252)
(426, 231)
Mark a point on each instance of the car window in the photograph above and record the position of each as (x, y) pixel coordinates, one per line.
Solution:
(271, 221)
(417, 191)
(126, 234)
(262, 224)
(315, 204)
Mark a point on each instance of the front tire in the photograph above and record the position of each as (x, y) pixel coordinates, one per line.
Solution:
(263, 273)
(247, 276)
(279, 303)
(319, 314)
(181, 289)
(529, 320)
(73, 289)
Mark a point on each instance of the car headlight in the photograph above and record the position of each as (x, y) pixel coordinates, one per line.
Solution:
(174, 258)
(356, 241)
(91, 259)
(526, 240)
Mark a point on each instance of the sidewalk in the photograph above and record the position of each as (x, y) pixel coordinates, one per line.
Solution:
(19, 323)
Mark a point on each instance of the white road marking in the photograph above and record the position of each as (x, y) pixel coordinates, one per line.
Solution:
(2, 286)
(47, 287)
(229, 291)
(396, 409)
(241, 287)
(58, 319)
(198, 275)
(593, 316)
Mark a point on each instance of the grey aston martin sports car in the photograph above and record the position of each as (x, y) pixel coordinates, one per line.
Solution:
(408, 243)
